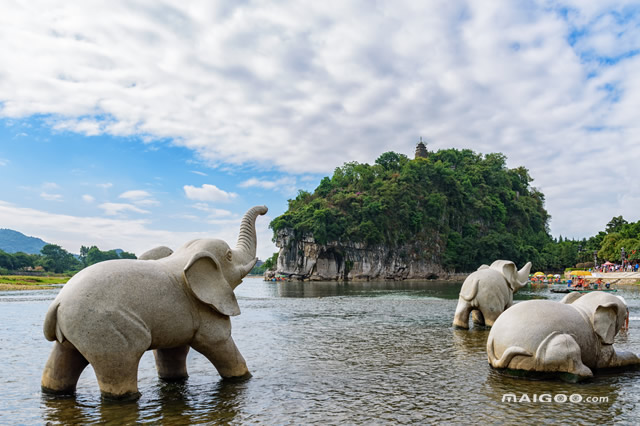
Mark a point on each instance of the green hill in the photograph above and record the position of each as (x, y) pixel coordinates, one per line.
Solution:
(13, 241)
(465, 208)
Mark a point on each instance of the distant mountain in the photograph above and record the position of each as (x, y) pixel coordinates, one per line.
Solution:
(13, 241)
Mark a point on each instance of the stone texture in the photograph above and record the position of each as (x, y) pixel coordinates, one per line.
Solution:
(110, 313)
(303, 258)
(573, 336)
(488, 291)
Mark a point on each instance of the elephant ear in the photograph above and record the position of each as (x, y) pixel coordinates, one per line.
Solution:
(207, 283)
(604, 322)
(508, 270)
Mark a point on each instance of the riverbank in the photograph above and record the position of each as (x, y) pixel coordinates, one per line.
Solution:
(20, 282)
(618, 278)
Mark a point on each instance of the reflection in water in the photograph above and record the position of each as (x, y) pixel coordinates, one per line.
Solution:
(321, 353)
(441, 289)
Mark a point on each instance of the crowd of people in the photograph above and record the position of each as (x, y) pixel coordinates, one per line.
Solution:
(610, 267)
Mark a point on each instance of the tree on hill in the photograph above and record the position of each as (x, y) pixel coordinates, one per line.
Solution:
(471, 207)
(92, 255)
(58, 260)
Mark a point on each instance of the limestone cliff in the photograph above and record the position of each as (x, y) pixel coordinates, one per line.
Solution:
(301, 257)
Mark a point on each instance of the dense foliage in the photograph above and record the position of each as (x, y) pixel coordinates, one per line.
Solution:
(91, 255)
(53, 258)
(475, 207)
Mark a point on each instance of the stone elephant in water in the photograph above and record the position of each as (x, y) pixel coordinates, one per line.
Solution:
(110, 313)
(488, 291)
(569, 338)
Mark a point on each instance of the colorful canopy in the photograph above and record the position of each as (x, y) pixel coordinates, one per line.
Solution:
(582, 273)
(537, 274)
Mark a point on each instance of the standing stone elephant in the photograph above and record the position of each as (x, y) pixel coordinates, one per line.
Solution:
(488, 292)
(110, 313)
(568, 338)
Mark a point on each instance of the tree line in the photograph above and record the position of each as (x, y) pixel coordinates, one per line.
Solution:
(53, 258)
(465, 208)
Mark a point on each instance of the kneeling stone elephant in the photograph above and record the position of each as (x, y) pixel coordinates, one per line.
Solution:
(573, 336)
(110, 313)
(488, 291)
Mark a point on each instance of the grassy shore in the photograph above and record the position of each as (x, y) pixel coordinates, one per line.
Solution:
(26, 282)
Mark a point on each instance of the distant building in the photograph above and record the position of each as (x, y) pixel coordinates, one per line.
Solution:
(421, 150)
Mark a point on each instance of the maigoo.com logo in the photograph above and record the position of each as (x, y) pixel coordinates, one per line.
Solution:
(575, 398)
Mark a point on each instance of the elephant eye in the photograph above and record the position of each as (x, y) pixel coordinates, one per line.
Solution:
(229, 255)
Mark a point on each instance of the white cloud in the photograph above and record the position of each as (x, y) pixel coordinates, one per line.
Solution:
(199, 173)
(88, 198)
(50, 185)
(139, 198)
(213, 212)
(208, 193)
(135, 195)
(105, 185)
(285, 183)
(302, 87)
(114, 209)
(50, 197)
(3, 162)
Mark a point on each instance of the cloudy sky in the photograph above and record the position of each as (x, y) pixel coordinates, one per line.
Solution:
(129, 124)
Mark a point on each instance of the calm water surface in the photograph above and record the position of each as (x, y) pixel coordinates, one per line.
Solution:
(323, 353)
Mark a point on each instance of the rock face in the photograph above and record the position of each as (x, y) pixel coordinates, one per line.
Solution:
(303, 258)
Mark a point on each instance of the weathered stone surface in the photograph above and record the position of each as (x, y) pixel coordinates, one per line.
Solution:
(302, 258)
(572, 337)
(110, 313)
(488, 291)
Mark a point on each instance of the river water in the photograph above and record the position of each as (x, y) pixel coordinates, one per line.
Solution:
(324, 353)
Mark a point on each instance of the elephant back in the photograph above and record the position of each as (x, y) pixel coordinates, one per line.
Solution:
(527, 325)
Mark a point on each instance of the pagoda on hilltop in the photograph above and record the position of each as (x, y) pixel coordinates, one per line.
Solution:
(421, 149)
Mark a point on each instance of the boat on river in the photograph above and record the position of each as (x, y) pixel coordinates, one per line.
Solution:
(582, 290)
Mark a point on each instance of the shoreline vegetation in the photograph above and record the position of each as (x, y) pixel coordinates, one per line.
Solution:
(29, 282)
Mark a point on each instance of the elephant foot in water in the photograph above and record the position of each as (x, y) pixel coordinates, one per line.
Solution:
(63, 369)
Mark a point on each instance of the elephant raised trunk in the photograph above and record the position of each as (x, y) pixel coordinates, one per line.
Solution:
(245, 251)
(523, 274)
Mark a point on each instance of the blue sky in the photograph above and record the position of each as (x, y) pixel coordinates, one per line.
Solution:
(133, 124)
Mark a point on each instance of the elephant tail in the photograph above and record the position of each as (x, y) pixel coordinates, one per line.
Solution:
(51, 330)
(507, 355)
(469, 288)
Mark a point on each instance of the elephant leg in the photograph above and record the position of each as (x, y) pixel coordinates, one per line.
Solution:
(609, 357)
(172, 363)
(560, 352)
(224, 355)
(490, 317)
(461, 317)
(63, 369)
(117, 376)
(477, 317)
(623, 359)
